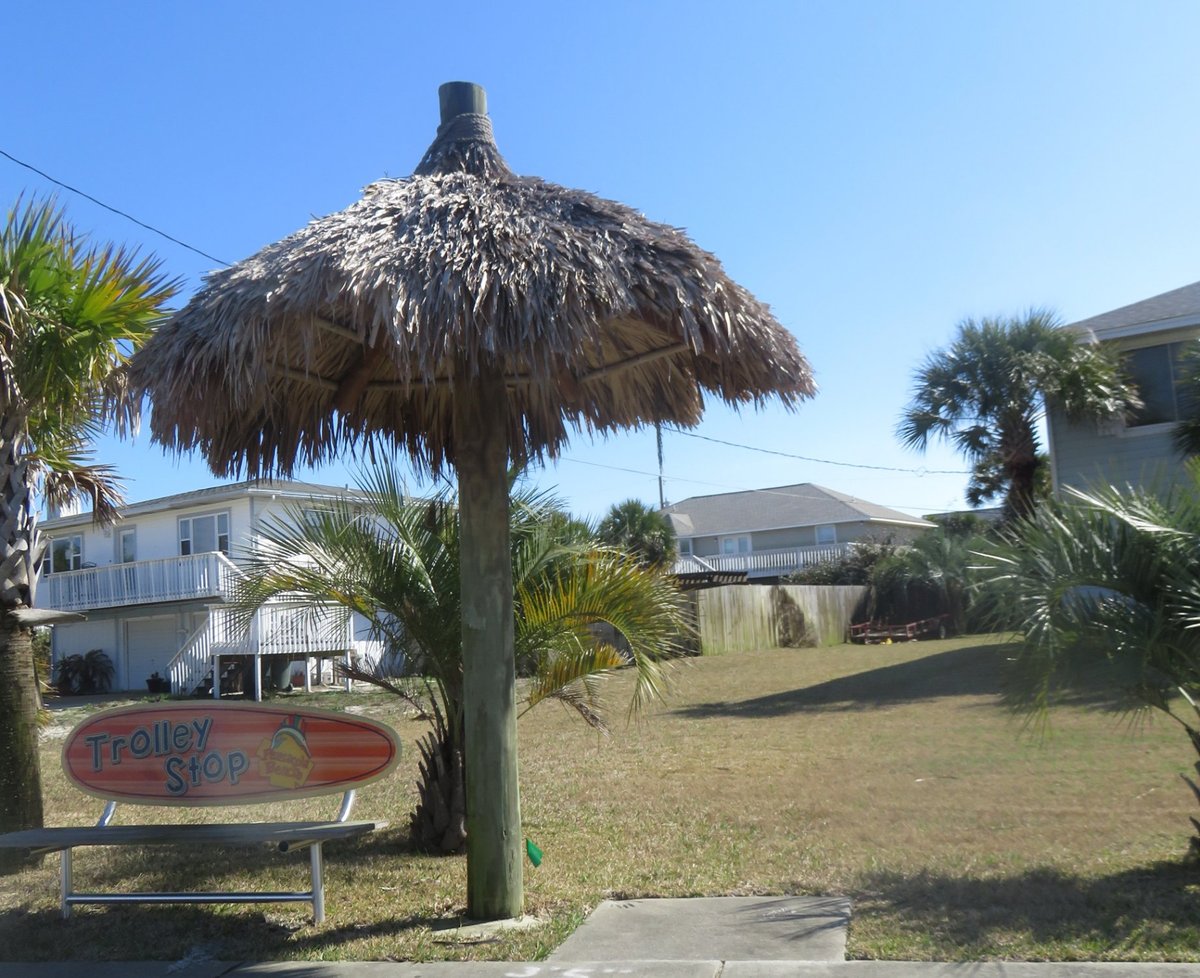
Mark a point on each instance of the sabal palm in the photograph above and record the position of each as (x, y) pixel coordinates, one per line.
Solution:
(1107, 587)
(395, 561)
(637, 529)
(70, 314)
(986, 391)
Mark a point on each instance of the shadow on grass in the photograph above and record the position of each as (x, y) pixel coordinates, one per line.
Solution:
(175, 868)
(135, 932)
(1149, 910)
(163, 933)
(976, 670)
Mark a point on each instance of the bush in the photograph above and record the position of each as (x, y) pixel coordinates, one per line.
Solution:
(934, 575)
(78, 675)
(854, 568)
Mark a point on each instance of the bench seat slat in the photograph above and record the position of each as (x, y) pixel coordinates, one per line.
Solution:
(284, 834)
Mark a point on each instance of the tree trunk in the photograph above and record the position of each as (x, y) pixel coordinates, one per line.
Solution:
(20, 769)
(439, 823)
(494, 881)
(1020, 453)
(20, 699)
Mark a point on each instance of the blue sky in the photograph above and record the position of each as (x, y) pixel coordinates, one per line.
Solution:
(876, 171)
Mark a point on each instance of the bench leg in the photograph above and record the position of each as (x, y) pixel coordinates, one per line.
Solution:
(318, 883)
(65, 884)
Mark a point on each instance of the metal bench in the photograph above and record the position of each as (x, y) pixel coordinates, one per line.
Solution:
(183, 754)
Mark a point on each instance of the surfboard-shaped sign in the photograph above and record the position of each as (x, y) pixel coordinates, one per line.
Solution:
(222, 753)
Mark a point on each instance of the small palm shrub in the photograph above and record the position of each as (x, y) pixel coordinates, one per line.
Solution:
(582, 610)
(78, 675)
(1107, 590)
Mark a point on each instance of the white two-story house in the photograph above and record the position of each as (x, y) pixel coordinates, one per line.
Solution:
(1137, 450)
(154, 588)
(768, 533)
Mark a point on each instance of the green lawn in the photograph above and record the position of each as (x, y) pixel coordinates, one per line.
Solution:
(890, 774)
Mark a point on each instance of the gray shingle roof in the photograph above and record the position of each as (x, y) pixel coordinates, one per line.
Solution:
(805, 504)
(1178, 304)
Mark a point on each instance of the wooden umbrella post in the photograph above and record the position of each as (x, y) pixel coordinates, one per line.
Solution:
(599, 317)
(494, 871)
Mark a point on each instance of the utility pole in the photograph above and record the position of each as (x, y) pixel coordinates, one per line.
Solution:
(662, 502)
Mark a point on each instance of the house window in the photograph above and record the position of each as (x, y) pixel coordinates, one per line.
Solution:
(685, 547)
(204, 534)
(1159, 376)
(826, 533)
(127, 546)
(735, 545)
(63, 554)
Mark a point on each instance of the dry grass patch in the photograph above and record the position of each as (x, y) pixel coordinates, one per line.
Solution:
(890, 774)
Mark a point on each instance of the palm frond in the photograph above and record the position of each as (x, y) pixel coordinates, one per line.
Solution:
(570, 676)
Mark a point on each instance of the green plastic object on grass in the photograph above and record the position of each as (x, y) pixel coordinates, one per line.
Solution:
(534, 853)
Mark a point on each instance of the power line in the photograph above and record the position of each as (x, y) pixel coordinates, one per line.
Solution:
(822, 461)
(722, 485)
(678, 431)
(115, 210)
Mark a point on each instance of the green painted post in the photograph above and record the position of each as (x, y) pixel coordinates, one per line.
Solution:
(494, 839)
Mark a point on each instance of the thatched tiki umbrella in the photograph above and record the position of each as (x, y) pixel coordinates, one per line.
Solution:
(474, 318)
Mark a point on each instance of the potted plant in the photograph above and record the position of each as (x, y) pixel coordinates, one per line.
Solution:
(156, 684)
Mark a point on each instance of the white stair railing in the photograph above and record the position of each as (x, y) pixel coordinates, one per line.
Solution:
(193, 662)
(284, 628)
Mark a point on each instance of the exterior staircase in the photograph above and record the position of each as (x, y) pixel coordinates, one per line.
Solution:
(283, 628)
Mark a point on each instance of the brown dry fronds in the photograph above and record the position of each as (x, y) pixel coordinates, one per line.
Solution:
(363, 325)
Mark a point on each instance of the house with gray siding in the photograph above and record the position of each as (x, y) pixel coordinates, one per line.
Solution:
(768, 533)
(1136, 450)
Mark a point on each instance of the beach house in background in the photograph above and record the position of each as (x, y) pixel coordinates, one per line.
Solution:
(155, 588)
(769, 533)
(1137, 450)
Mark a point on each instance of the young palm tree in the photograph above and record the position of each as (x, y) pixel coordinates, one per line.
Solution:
(987, 390)
(1107, 587)
(395, 561)
(635, 528)
(70, 314)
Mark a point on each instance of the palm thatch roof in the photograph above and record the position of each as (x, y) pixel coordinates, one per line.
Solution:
(361, 326)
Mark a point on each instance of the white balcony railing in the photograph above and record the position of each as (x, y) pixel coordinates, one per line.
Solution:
(209, 575)
(765, 563)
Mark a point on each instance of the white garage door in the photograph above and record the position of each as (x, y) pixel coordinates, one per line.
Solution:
(151, 643)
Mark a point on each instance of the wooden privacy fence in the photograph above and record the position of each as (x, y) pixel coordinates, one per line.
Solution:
(741, 618)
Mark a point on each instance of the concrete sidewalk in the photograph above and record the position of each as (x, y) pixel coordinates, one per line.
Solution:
(708, 937)
(769, 928)
(605, 969)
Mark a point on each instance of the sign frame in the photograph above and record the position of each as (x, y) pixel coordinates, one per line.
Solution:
(198, 753)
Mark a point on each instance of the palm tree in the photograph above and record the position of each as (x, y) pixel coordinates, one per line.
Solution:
(1186, 434)
(1107, 587)
(70, 314)
(396, 561)
(635, 528)
(987, 390)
